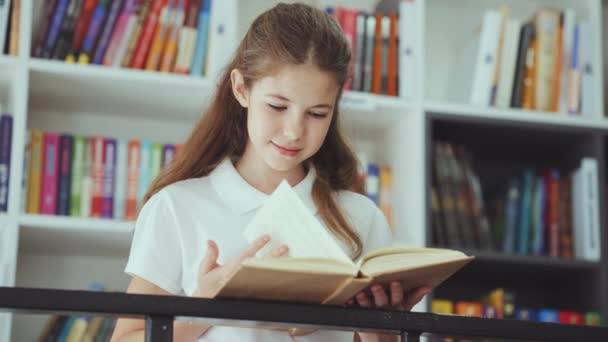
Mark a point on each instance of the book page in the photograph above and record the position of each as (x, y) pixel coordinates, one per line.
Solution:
(288, 221)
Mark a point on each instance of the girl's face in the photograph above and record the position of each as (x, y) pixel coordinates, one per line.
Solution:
(288, 114)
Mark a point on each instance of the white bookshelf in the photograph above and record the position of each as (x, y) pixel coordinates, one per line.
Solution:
(64, 252)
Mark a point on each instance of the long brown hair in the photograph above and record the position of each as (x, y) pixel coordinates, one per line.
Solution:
(285, 34)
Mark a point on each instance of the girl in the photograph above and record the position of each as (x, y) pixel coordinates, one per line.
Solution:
(274, 117)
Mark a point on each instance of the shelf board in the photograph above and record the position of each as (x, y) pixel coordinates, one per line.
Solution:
(46, 234)
(61, 87)
(530, 261)
(516, 115)
(370, 112)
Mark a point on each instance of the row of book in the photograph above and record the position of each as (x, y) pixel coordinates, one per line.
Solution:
(544, 63)
(376, 182)
(10, 15)
(155, 35)
(501, 303)
(6, 131)
(373, 39)
(79, 328)
(90, 176)
(538, 212)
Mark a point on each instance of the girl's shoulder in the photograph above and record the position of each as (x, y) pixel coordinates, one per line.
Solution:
(359, 208)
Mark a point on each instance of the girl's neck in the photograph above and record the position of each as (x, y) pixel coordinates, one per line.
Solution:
(262, 177)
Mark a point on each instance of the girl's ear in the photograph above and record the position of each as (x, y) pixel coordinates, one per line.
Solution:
(239, 88)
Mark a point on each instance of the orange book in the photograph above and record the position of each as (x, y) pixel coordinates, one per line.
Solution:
(170, 53)
(158, 43)
(35, 172)
(14, 32)
(471, 309)
(377, 66)
(147, 35)
(392, 56)
(554, 107)
(528, 101)
(132, 179)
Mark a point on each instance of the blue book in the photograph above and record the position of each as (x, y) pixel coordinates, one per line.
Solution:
(55, 25)
(202, 36)
(6, 132)
(525, 211)
(547, 315)
(66, 143)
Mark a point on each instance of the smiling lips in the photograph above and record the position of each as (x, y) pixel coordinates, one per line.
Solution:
(290, 152)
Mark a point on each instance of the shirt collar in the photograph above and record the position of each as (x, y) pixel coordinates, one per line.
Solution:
(242, 198)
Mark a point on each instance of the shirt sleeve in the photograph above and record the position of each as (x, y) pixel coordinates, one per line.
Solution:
(156, 249)
(379, 234)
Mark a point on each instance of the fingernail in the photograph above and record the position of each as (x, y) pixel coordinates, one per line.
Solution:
(266, 238)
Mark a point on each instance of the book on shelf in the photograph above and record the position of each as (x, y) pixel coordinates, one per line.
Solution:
(317, 269)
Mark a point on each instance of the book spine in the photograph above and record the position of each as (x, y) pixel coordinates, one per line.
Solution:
(51, 39)
(168, 154)
(200, 50)
(187, 39)
(5, 9)
(6, 129)
(35, 172)
(91, 39)
(132, 179)
(140, 13)
(149, 28)
(392, 57)
(65, 168)
(13, 49)
(158, 42)
(169, 55)
(119, 33)
(156, 160)
(106, 34)
(66, 32)
(77, 175)
(144, 170)
(97, 174)
(81, 29)
(109, 174)
(49, 9)
(86, 196)
(120, 186)
(26, 170)
(50, 168)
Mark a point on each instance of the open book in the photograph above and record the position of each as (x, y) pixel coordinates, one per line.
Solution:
(317, 269)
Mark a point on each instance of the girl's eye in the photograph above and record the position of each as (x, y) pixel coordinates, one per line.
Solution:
(277, 108)
(318, 115)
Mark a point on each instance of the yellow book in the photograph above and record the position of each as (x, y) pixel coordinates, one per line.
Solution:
(158, 43)
(385, 198)
(14, 34)
(77, 331)
(169, 55)
(35, 172)
(92, 329)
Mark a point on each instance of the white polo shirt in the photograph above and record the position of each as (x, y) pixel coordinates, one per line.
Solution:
(174, 225)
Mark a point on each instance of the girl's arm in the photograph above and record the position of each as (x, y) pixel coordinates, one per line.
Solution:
(133, 329)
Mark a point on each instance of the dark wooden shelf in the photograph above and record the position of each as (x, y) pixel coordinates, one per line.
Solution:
(530, 261)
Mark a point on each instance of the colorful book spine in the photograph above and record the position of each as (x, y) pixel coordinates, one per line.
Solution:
(145, 41)
(133, 164)
(372, 182)
(118, 36)
(160, 36)
(35, 172)
(187, 39)
(106, 34)
(13, 48)
(47, 16)
(65, 174)
(97, 174)
(57, 19)
(66, 32)
(77, 175)
(86, 195)
(120, 185)
(202, 36)
(90, 41)
(107, 209)
(81, 29)
(168, 56)
(156, 161)
(50, 168)
(144, 170)
(140, 14)
(6, 132)
(26, 170)
(168, 154)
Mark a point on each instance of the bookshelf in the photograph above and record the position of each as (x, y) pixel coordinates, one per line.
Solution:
(67, 252)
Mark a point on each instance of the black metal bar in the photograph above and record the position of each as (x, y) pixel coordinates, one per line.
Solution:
(287, 314)
(159, 328)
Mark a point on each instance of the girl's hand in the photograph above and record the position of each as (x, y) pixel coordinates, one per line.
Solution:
(394, 298)
(213, 276)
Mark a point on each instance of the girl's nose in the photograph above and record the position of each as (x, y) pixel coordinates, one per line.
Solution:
(293, 127)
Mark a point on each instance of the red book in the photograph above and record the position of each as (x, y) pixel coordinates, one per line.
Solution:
(97, 173)
(132, 179)
(50, 173)
(571, 317)
(145, 41)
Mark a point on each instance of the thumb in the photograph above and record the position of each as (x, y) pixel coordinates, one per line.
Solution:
(209, 262)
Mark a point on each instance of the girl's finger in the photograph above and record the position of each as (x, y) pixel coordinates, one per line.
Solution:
(363, 300)
(281, 251)
(380, 297)
(209, 262)
(396, 294)
(253, 248)
(414, 296)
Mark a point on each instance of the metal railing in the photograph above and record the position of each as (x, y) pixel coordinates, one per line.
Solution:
(160, 312)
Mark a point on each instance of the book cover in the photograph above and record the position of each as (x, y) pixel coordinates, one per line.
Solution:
(145, 40)
(119, 33)
(80, 29)
(120, 185)
(97, 176)
(108, 28)
(78, 152)
(43, 28)
(35, 172)
(66, 31)
(65, 174)
(132, 179)
(202, 37)
(109, 177)
(55, 25)
(6, 137)
(92, 37)
(50, 170)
